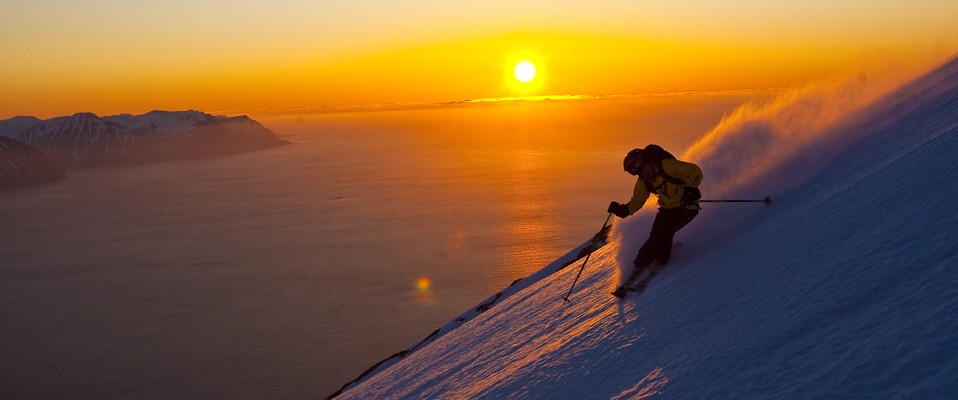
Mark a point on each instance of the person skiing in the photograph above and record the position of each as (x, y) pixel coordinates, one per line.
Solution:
(675, 183)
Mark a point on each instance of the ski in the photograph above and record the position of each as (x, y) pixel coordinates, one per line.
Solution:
(643, 284)
(640, 286)
(631, 285)
(622, 290)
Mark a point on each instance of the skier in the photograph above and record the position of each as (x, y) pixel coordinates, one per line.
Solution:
(675, 183)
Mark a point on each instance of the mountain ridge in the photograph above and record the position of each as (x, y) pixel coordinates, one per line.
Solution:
(85, 139)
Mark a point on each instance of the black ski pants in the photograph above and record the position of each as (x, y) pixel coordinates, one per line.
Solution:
(658, 247)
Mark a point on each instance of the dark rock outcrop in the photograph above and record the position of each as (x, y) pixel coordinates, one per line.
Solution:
(24, 165)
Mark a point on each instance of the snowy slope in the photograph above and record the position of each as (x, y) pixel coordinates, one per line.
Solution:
(845, 287)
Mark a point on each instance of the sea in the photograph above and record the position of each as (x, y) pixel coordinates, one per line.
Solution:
(287, 272)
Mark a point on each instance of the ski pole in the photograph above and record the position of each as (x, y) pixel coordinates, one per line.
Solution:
(767, 200)
(595, 242)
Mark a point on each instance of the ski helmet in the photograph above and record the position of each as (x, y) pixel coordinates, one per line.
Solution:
(633, 161)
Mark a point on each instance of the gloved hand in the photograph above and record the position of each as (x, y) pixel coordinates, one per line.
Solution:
(620, 210)
(691, 195)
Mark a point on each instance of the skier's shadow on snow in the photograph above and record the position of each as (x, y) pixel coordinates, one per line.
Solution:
(628, 309)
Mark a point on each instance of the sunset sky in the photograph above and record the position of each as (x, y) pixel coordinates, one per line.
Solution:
(61, 57)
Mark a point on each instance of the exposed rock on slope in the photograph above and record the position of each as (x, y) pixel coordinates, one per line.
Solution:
(24, 165)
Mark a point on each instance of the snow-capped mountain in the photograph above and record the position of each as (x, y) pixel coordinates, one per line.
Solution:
(163, 121)
(84, 139)
(23, 165)
(845, 287)
(16, 125)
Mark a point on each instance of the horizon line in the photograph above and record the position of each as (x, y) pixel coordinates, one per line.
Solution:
(426, 105)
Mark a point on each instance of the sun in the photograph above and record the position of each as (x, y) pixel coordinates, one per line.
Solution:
(524, 71)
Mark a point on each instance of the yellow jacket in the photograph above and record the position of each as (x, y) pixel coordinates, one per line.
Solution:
(669, 194)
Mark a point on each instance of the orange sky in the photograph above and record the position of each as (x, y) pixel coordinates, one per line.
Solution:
(134, 56)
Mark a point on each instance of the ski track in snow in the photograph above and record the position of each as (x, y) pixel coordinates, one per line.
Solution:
(845, 287)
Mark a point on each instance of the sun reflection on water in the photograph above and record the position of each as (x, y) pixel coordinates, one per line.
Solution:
(530, 209)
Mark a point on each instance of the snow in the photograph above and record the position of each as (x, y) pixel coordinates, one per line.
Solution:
(845, 287)
(163, 121)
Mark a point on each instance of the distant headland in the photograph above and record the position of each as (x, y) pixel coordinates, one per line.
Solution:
(37, 151)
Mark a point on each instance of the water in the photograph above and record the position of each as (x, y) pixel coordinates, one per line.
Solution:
(285, 273)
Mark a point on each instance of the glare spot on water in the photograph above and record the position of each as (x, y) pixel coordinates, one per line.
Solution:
(423, 284)
(424, 291)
